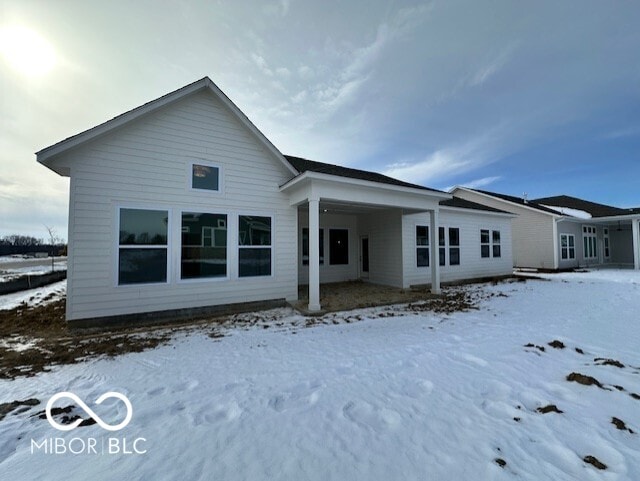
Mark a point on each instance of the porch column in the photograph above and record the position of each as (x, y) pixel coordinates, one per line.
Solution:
(434, 253)
(314, 255)
(635, 230)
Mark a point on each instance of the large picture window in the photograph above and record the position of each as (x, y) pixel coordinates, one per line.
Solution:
(205, 177)
(305, 246)
(204, 245)
(338, 246)
(142, 246)
(567, 246)
(422, 246)
(254, 242)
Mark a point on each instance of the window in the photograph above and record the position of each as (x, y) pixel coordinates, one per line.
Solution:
(567, 246)
(605, 241)
(589, 242)
(205, 177)
(490, 243)
(204, 245)
(441, 249)
(254, 243)
(496, 243)
(142, 246)
(454, 246)
(338, 246)
(422, 246)
(485, 243)
(305, 246)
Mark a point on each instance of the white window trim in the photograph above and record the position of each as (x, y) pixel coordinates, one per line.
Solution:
(490, 244)
(569, 258)
(447, 246)
(590, 231)
(606, 243)
(116, 242)
(238, 246)
(178, 250)
(427, 246)
(205, 163)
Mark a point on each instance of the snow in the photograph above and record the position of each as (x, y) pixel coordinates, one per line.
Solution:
(12, 267)
(580, 214)
(428, 396)
(34, 297)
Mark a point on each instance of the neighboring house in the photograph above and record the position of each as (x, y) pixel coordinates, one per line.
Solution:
(565, 232)
(183, 204)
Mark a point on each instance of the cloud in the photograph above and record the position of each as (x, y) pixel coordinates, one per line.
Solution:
(621, 133)
(476, 183)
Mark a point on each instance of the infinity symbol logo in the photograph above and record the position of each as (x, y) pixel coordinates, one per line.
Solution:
(89, 411)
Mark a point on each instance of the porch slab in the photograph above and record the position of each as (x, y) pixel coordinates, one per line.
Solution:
(346, 296)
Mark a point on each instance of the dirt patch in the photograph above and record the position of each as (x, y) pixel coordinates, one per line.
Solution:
(551, 408)
(594, 462)
(635, 396)
(448, 303)
(579, 351)
(539, 348)
(500, 462)
(37, 338)
(584, 380)
(600, 361)
(17, 407)
(620, 424)
(61, 415)
(556, 344)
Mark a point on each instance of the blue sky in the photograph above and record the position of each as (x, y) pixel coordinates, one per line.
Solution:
(537, 97)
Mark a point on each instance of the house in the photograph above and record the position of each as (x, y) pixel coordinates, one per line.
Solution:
(565, 232)
(182, 205)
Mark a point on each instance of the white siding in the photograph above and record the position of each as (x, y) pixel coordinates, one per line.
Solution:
(532, 231)
(472, 265)
(146, 164)
(384, 230)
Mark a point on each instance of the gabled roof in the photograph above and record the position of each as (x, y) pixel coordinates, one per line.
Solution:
(514, 200)
(46, 155)
(593, 208)
(304, 165)
(634, 210)
(467, 204)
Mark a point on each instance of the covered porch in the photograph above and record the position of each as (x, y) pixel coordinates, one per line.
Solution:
(359, 230)
(600, 242)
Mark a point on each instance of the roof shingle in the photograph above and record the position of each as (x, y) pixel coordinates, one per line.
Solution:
(303, 165)
(593, 208)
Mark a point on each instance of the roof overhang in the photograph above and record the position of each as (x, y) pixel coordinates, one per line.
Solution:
(477, 211)
(318, 186)
(47, 155)
(522, 206)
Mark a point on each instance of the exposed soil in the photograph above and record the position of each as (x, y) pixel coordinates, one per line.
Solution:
(620, 424)
(595, 462)
(551, 408)
(539, 348)
(500, 462)
(584, 380)
(579, 351)
(556, 344)
(608, 362)
(46, 341)
(17, 406)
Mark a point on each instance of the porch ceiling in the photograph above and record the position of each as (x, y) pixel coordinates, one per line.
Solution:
(352, 208)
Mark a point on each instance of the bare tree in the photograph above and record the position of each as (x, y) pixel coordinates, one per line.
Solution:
(52, 238)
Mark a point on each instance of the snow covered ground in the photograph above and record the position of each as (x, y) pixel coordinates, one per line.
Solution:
(34, 297)
(429, 396)
(12, 267)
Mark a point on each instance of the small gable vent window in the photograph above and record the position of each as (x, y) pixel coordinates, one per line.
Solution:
(205, 177)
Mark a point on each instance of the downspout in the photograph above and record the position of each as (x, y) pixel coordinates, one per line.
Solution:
(556, 257)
